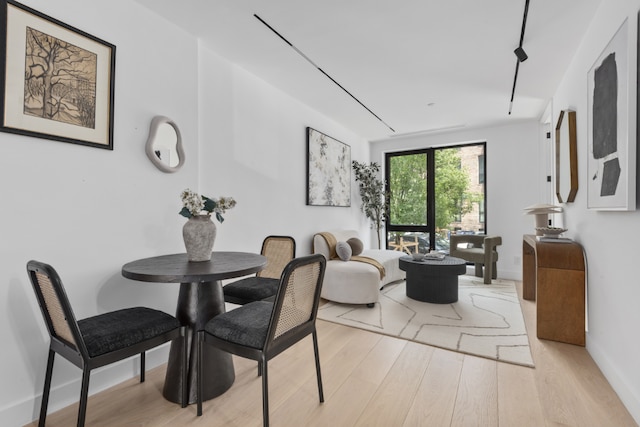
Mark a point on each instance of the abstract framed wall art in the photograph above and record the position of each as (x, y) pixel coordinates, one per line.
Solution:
(328, 170)
(612, 109)
(56, 82)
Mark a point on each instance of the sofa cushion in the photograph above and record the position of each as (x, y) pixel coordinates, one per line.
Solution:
(320, 244)
(356, 282)
(343, 249)
(351, 282)
(389, 260)
(356, 245)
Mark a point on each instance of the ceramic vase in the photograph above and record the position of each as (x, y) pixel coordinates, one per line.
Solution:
(199, 234)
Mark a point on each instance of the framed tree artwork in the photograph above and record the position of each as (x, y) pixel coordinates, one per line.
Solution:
(56, 81)
(328, 170)
(612, 109)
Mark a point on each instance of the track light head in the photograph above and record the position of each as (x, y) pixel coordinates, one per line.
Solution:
(521, 54)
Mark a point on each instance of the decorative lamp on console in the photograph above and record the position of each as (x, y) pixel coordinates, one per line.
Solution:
(541, 212)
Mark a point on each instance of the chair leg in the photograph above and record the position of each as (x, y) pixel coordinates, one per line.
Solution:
(200, 338)
(47, 388)
(488, 272)
(84, 391)
(478, 270)
(265, 392)
(314, 335)
(142, 355)
(185, 361)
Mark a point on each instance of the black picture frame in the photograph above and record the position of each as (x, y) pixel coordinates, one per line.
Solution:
(328, 170)
(68, 98)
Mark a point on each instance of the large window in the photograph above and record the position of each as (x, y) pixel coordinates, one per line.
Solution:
(432, 193)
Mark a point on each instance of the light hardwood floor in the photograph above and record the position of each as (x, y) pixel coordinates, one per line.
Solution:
(374, 380)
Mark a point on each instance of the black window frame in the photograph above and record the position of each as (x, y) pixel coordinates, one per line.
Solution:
(429, 228)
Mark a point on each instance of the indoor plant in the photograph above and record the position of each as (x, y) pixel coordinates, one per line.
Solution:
(372, 194)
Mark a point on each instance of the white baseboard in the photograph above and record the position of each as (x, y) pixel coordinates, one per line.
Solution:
(62, 395)
(502, 274)
(617, 380)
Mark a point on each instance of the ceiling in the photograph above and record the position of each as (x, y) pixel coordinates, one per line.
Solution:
(412, 66)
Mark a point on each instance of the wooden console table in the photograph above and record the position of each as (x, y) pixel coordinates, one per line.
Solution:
(554, 275)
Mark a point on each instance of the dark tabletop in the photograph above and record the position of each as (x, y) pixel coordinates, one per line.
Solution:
(176, 268)
(447, 260)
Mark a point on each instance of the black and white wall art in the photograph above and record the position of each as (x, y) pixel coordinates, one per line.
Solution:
(611, 166)
(56, 81)
(328, 170)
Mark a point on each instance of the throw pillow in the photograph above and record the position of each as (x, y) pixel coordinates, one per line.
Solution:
(343, 250)
(356, 246)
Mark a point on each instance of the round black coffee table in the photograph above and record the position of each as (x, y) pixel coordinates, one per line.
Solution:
(434, 281)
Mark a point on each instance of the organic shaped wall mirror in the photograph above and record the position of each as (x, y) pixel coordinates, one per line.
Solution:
(164, 145)
(566, 157)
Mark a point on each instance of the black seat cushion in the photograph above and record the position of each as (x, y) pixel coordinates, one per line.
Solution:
(246, 325)
(120, 329)
(252, 288)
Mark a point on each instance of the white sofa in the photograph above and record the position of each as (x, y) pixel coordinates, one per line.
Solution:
(355, 282)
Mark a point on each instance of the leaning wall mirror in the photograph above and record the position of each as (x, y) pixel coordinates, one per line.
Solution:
(164, 145)
(566, 157)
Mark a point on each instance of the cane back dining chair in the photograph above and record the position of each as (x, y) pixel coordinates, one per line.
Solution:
(263, 329)
(99, 340)
(278, 250)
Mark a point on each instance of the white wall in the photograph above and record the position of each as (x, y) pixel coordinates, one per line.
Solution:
(254, 149)
(609, 238)
(88, 211)
(512, 174)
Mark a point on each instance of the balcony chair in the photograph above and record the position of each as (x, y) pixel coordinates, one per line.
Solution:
(263, 329)
(479, 249)
(99, 340)
(278, 250)
(408, 244)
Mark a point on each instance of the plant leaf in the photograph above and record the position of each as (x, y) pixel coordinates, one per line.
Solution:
(209, 205)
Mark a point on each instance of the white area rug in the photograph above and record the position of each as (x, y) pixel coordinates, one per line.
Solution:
(486, 320)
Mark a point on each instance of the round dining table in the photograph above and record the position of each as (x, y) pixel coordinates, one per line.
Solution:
(199, 300)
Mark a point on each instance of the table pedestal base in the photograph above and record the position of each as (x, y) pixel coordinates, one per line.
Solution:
(433, 288)
(434, 281)
(197, 304)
